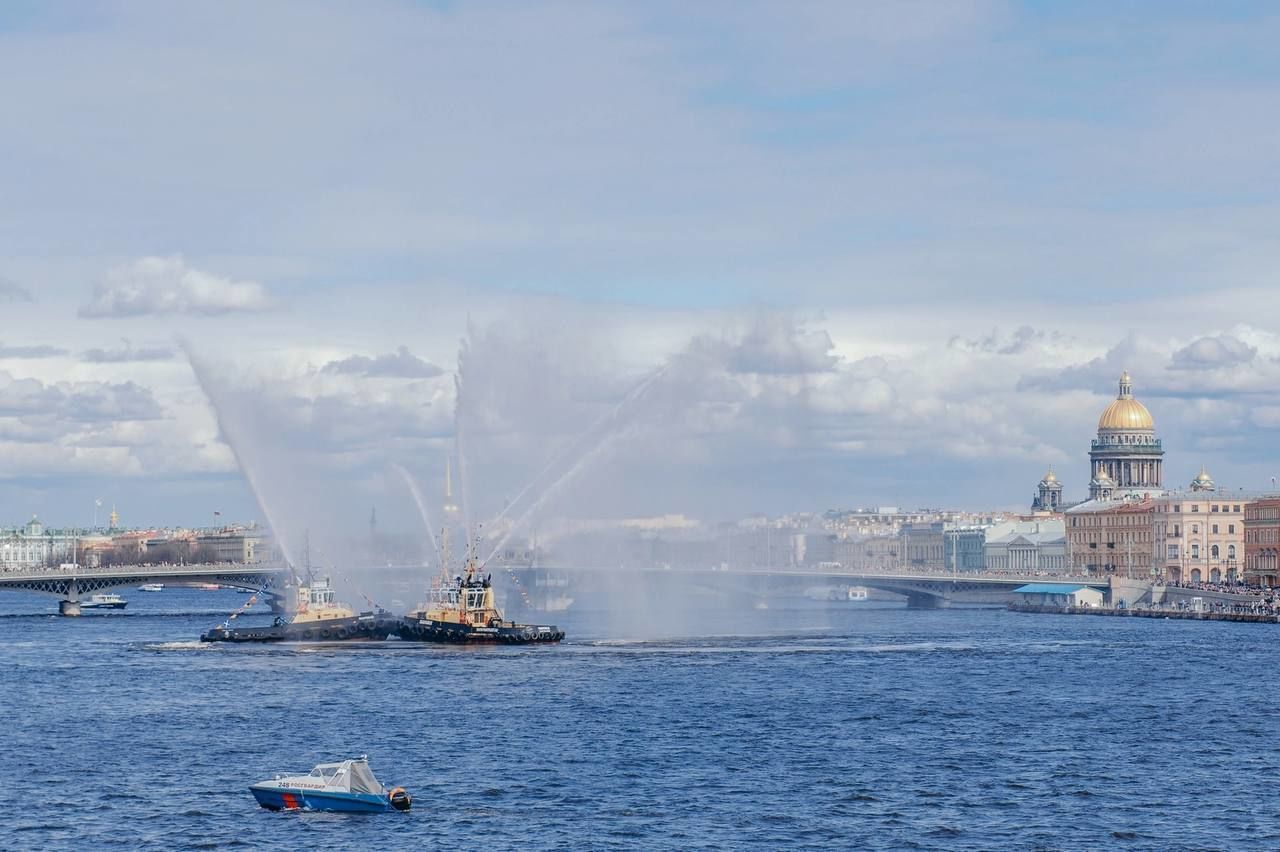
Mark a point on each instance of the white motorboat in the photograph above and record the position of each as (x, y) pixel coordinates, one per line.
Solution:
(347, 786)
(151, 587)
(104, 601)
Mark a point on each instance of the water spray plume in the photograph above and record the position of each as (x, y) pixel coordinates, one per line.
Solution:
(233, 440)
(584, 462)
(609, 418)
(422, 509)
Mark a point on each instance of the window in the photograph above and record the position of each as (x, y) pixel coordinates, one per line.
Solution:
(1195, 551)
(1195, 507)
(1231, 551)
(1213, 551)
(1173, 552)
(1214, 507)
(1231, 529)
(1215, 529)
(1235, 509)
(1195, 529)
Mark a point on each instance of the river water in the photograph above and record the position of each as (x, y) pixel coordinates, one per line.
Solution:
(854, 725)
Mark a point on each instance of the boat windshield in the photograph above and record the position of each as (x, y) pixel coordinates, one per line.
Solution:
(353, 775)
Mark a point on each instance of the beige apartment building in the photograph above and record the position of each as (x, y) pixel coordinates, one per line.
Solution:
(1113, 537)
(1201, 534)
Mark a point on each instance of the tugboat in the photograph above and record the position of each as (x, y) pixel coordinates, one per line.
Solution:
(317, 617)
(347, 787)
(462, 610)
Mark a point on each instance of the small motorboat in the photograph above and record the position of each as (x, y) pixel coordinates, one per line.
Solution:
(151, 587)
(347, 786)
(104, 601)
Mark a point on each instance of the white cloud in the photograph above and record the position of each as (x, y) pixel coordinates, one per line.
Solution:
(30, 352)
(401, 364)
(167, 285)
(126, 353)
(1208, 353)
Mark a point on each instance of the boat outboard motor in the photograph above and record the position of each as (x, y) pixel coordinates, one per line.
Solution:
(400, 800)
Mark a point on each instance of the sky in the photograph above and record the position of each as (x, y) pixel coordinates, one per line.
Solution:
(635, 258)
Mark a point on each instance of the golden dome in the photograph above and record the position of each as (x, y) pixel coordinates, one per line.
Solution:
(1126, 414)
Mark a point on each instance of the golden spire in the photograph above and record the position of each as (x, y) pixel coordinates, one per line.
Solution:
(115, 517)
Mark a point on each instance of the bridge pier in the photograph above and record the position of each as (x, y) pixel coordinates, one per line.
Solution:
(71, 606)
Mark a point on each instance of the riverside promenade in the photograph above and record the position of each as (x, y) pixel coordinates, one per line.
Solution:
(1159, 612)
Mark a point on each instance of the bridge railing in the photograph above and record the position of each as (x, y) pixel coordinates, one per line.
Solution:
(154, 569)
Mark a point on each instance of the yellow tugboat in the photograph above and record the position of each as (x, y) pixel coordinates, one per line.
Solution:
(462, 610)
(317, 617)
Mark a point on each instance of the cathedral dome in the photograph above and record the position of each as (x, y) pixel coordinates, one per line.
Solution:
(1126, 414)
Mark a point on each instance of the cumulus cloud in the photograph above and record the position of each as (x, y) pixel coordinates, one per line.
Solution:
(167, 285)
(773, 345)
(126, 353)
(401, 364)
(1024, 339)
(1208, 353)
(25, 352)
(11, 292)
(78, 402)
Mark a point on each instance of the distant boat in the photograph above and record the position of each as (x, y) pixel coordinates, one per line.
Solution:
(151, 587)
(209, 587)
(104, 601)
(348, 786)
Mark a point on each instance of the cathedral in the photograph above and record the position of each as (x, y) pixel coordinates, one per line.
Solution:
(1126, 456)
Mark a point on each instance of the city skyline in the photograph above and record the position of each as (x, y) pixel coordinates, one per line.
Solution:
(867, 285)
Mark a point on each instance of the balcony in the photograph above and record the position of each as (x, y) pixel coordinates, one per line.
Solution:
(1151, 448)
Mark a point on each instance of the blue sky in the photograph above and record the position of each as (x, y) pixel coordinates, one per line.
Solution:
(966, 218)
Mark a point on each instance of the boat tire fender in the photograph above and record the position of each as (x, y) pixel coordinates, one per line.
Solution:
(324, 634)
(342, 633)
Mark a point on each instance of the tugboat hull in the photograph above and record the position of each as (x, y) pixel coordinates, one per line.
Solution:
(365, 627)
(429, 630)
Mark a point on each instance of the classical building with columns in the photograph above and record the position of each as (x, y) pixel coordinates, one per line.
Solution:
(1126, 457)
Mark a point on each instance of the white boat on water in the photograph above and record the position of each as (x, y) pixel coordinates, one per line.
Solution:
(104, 601)
(151, 587)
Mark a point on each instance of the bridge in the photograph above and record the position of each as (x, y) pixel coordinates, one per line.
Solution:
(923, 590)
(68, 583)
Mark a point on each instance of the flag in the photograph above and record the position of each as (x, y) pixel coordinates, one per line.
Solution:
(217, 514)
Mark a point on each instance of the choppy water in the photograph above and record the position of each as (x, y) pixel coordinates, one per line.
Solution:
(854, 726)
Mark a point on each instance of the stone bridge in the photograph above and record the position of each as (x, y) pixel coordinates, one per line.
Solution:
(69, 583)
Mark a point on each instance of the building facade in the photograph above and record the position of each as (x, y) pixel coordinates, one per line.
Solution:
(923, 546)
(963, 548)
(1201, 534)
(34, 546)
(1113, 537)
(1126, 457)
(1027, 547)
(1262, 542)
